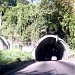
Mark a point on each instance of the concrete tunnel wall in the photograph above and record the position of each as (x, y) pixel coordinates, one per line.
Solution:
(48, 46)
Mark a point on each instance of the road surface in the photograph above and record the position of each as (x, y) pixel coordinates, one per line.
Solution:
(48, 68)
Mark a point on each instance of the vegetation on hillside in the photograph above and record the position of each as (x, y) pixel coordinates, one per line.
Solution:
(28, 21)
(14, 55)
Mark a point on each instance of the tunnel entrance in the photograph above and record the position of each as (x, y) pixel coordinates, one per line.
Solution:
(49, 46)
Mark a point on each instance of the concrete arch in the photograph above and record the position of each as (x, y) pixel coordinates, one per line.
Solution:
(48, 46)
(4, 44)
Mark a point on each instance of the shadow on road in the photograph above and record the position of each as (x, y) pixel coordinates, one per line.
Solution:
(15, 66)
(41, 68)
(37, 73)
(31, 67)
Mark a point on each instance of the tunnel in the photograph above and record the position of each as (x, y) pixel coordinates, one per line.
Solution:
(49, 46)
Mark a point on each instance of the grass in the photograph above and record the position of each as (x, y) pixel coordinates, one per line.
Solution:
(13, 60)
(9, 56)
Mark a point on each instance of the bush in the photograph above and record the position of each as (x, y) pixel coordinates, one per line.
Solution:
(73, 54)
(9, 56)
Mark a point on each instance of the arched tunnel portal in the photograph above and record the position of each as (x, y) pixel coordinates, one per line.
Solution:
(48, 46)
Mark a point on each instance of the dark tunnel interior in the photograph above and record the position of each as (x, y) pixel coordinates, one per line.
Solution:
(49, 47)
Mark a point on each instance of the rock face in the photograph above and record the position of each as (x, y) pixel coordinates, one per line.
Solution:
(48, 46)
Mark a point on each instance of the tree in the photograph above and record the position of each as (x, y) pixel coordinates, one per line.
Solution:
(8, 2)
(29, 20)
(23, 1)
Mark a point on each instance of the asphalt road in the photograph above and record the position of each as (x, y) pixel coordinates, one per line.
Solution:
(48, 68)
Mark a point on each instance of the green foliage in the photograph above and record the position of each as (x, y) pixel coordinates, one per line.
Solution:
(72, 54)
(9, 22)
(27, 21)
(9, 56)
(22, 1)
(8, 2)
(68, 20)
(51, 14)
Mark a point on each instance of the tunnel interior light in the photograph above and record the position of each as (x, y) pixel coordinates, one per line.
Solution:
(54, 58)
